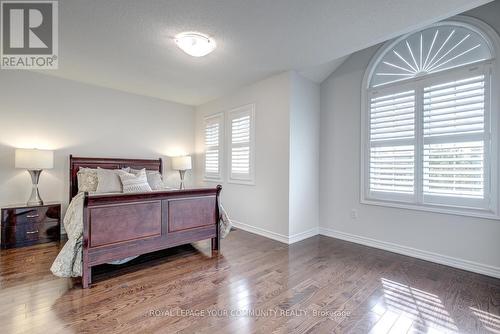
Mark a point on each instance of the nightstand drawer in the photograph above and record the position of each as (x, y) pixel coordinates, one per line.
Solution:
(26, 234)
(30, 225)
(19, 216)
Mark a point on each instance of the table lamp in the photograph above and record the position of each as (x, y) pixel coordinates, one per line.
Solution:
(182, 164)
(34, 161)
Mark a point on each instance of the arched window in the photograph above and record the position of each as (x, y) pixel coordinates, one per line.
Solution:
(430, 120)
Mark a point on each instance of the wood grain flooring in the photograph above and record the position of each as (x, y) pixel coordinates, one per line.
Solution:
(254, 285)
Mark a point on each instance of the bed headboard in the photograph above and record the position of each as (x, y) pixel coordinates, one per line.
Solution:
(109, 163)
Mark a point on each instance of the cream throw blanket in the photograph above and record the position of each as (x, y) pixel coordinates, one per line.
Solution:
(69, 261)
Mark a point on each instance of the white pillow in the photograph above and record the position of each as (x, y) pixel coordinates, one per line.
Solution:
(154, 177)
(135, 183)
(108, 180)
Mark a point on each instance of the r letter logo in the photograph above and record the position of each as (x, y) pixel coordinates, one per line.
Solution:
(29, 33)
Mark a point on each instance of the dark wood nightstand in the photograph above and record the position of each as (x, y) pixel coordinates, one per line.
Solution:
(30, 225)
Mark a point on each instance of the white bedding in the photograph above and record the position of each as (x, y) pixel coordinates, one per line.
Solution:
(68, 262)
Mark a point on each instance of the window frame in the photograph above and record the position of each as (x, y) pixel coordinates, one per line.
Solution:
(219, 118)
(232, 114)
(415, 201)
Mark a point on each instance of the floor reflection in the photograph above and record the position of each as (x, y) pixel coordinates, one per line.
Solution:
(405, 308)
(490, 321)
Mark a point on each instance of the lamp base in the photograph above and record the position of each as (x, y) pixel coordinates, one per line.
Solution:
(35, 198)
(181, 174)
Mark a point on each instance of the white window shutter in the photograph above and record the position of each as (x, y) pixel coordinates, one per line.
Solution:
(242, 144)
(392, 116)
(392, 147)
(392, 169)
(454, 169)
(428, 144)
(430, 121)
(454, 108)
(454, 159)
(213, 147)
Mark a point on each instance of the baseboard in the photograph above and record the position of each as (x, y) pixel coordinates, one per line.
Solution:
(303, 235)
(413, 252)
(276, 236)
(260, 231)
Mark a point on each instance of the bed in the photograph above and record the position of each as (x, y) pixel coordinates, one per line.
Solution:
(118, 226)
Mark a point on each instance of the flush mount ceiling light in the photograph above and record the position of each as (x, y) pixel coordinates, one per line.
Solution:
(195, 44)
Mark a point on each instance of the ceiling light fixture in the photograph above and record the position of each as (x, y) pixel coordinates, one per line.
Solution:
(195, 44)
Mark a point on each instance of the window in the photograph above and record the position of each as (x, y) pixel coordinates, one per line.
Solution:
(241, 141)
(213, 147)
(430, 121)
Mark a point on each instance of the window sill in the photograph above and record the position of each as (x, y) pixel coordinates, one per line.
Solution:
(476, 213)
(212, 180)
(242, 182)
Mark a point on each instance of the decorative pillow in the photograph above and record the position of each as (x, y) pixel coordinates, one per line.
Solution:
(135, 183)
(108, 180)
(155, 179)
(87, 180)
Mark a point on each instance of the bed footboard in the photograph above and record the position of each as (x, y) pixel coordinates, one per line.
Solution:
(125, 225)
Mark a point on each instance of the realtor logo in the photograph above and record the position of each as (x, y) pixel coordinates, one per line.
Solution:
(29, 35)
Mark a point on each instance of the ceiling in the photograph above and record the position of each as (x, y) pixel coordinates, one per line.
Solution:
(127, 44)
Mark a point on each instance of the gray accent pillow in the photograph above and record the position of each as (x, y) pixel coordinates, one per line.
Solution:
(135, 183)
(87, 179)
(154, 177)
(109, 180)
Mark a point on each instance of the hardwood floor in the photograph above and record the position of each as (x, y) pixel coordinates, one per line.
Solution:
(319, 285)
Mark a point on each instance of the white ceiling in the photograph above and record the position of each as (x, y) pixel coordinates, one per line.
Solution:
(127, 44)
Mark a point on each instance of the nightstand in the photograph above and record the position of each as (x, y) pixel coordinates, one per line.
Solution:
(23, 225)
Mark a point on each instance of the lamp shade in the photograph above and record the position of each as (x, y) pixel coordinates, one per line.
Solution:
(181, 163)
(34, 159)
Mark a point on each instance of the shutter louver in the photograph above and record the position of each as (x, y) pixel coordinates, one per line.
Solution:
(454, 138)
(241, 140)
(213, 133)
(392, 151)
(240, 163)
(454, 108)
(392, 169)
(212, 161)
(392, 116)
(454, 169)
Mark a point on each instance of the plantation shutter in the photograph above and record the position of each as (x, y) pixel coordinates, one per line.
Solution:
(430, 122)
(392, 147)
(454, 123)
(241, 141)
(213, 150)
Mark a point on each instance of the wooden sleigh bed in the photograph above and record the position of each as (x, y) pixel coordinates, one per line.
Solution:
(117, 226)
